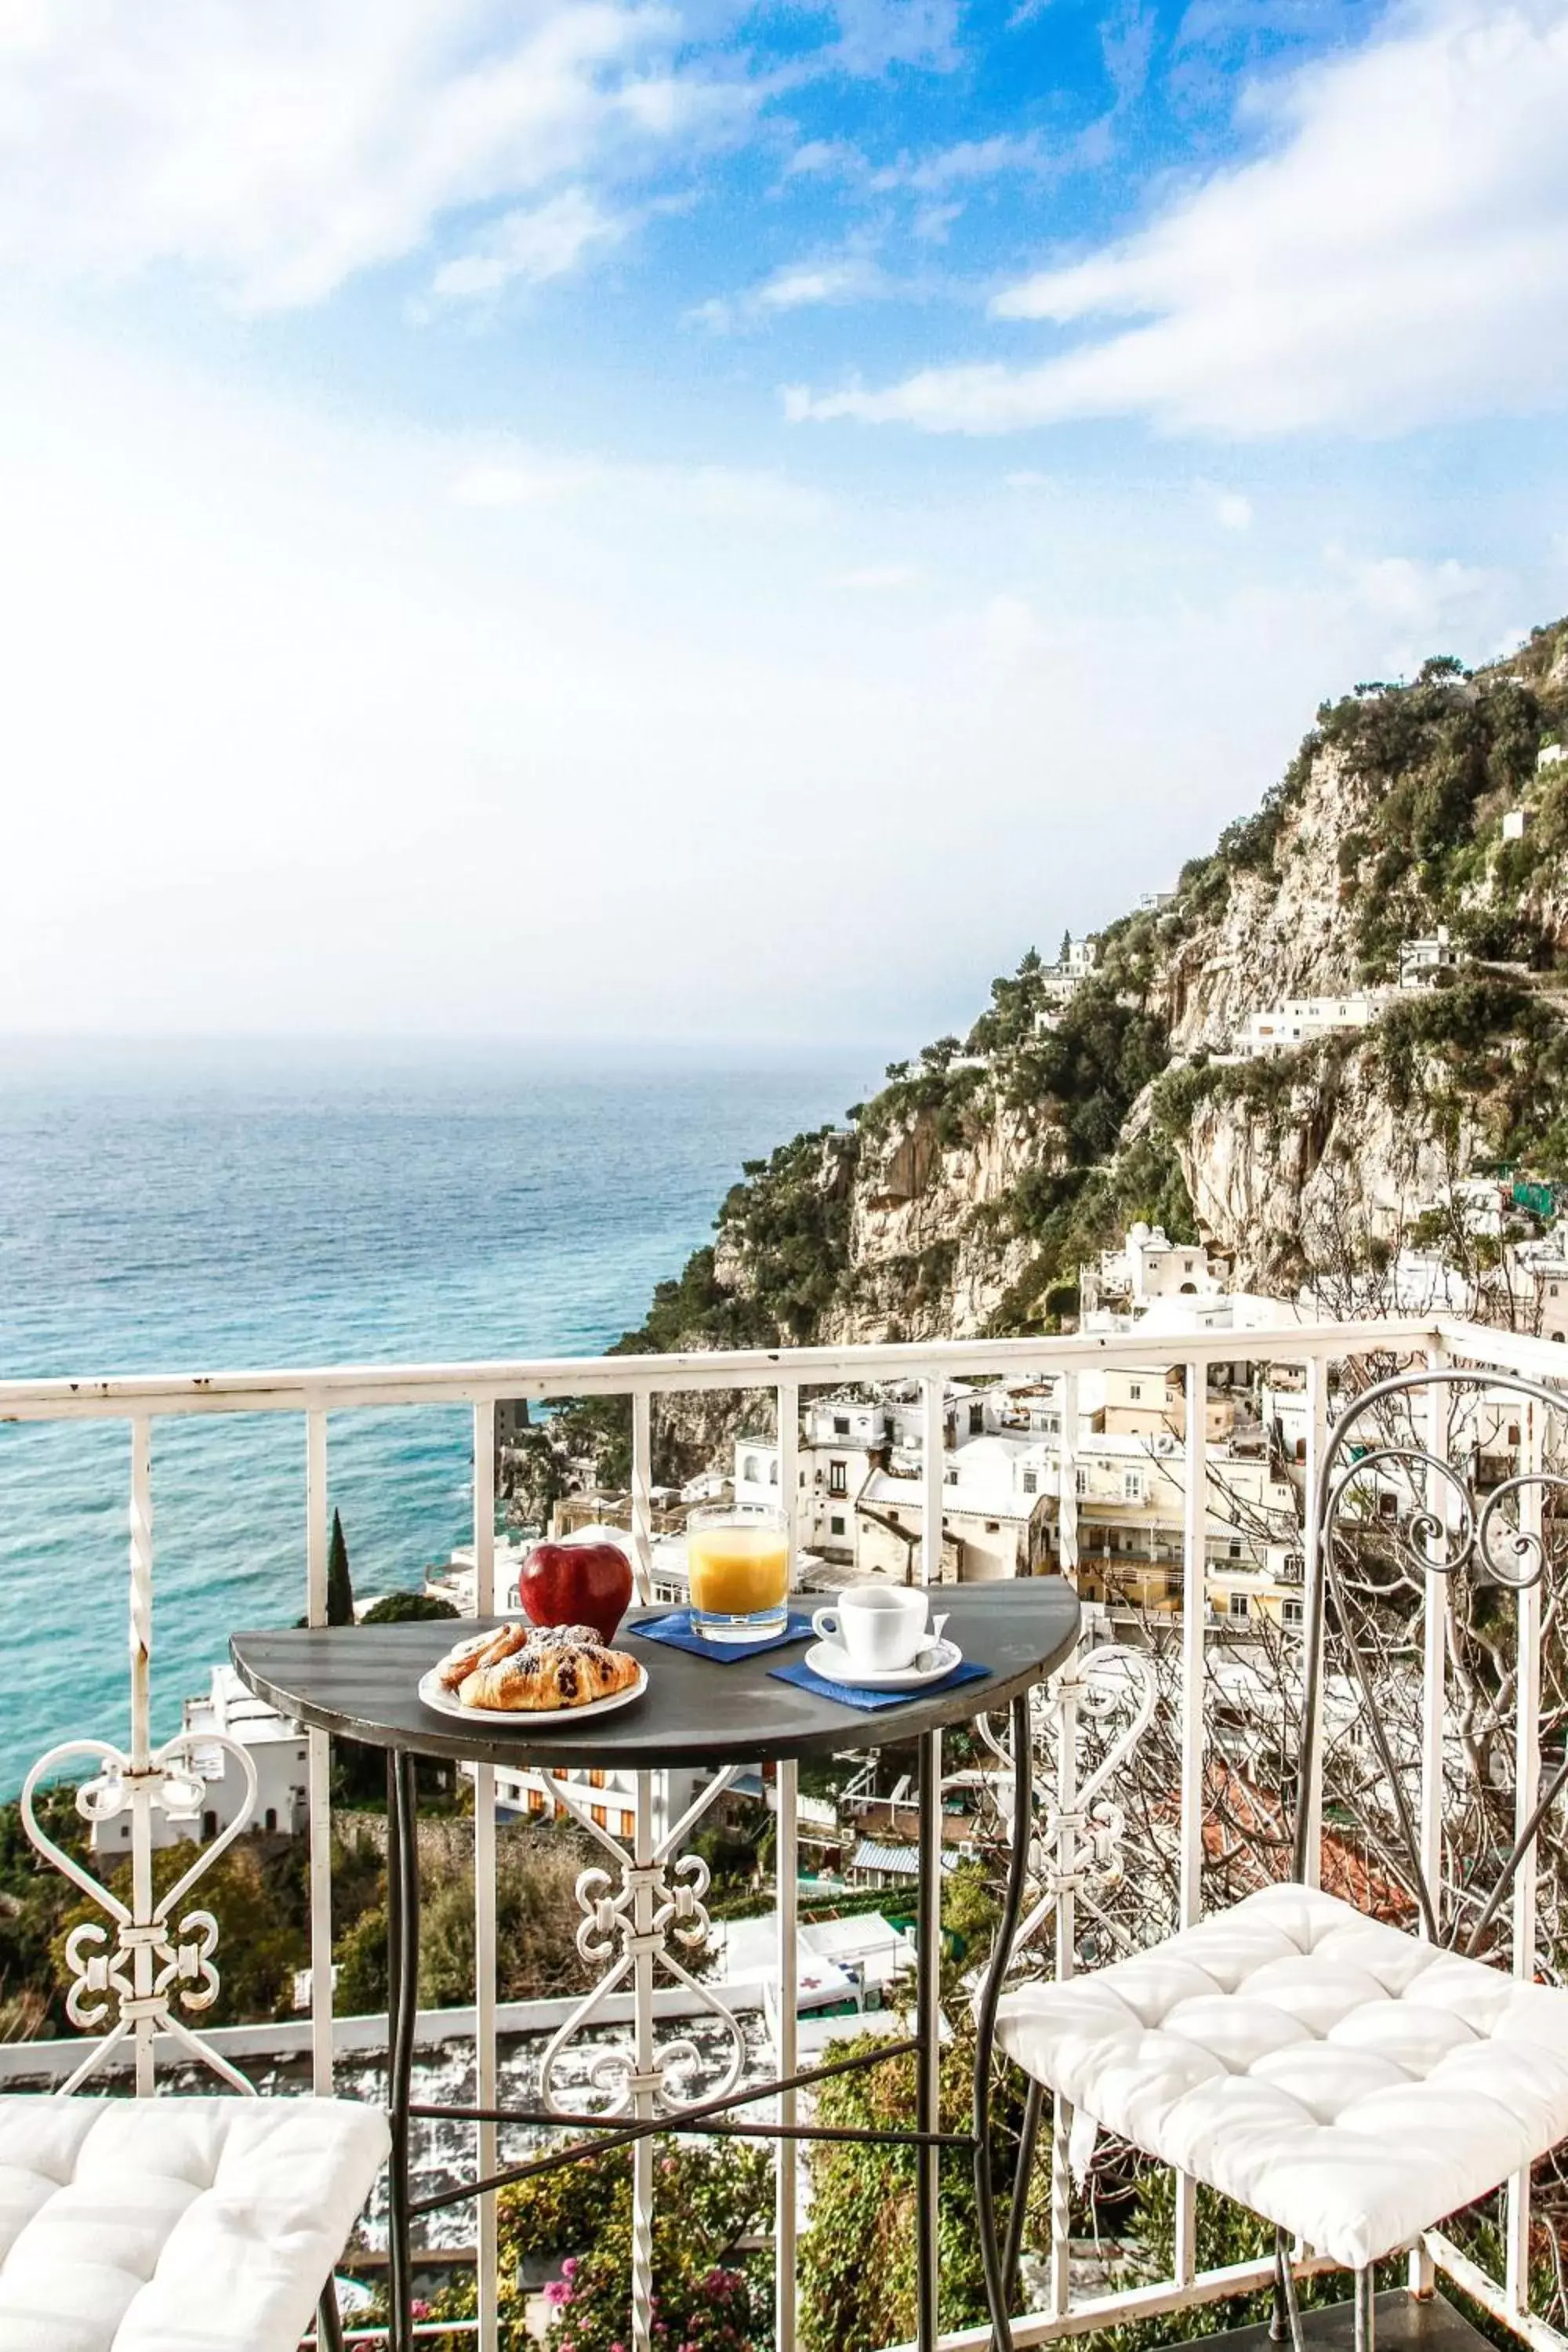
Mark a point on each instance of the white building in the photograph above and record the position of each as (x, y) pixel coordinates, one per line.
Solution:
(1281, 1028)
(1421, 959)
(1149, 1265)
(276, 1746)
(1550, 755)
(1062, 980)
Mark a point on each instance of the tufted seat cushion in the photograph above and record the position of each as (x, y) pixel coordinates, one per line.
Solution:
(1327, 2071)
(176, 2225)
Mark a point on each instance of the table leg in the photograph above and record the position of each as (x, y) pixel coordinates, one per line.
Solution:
(402, 2010)
(927, 2032)
(996, 2263)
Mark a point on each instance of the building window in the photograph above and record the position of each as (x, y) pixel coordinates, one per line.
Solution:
(835, 1526)
(993, 1526)
(1240, 1608)
(1132, 1485)
(773, 1474)
(595, 1780)
(838, 1477)
(1136, 1392)
(536, 1800)
(976, 1420)
(1233, 1549)
(1080, 1482)
(269, 1822)
(749, 1470)
(841, 1425)
(1292, 1613)
(599, 1816)
(1031, 1481)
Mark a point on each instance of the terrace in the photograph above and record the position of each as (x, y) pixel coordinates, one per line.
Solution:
(1156, 1771)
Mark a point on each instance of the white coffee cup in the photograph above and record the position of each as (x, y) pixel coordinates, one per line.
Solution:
(882, 1626)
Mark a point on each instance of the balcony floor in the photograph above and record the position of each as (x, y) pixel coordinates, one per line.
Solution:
(1403, 2324)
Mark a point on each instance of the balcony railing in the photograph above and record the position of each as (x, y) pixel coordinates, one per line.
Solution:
(136, 1981)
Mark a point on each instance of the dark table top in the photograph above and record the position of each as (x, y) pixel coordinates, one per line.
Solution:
(360, 1680)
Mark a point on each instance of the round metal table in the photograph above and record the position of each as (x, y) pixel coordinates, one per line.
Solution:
(359, 1682)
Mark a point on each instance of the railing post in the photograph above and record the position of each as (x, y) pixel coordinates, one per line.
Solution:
(933, 1475)
(786, 1874)
(1064, 1862)
(1526, 1791)
(1194, 1596)
(1067, 1492)
(485, 2067)
(645, 2081)
(142, 1732)
(642, 1492)
(1310, 1797)
(1434, 1651)
(319, 1767)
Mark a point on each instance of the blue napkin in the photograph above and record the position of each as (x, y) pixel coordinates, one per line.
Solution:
(853, 1695)
(677, 1630)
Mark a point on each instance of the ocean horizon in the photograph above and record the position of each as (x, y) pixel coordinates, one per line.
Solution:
(203, 1205)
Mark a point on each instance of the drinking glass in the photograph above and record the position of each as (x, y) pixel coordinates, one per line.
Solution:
(738, 1560)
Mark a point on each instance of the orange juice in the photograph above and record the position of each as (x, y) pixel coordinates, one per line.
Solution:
(737, 1570)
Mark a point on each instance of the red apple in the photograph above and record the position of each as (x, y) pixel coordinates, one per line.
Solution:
(576, 1584)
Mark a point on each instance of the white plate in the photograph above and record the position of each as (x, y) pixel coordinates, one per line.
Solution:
(835, 1665)
(447, 1703)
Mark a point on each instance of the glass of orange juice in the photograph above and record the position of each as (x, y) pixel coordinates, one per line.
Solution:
(737, 1558)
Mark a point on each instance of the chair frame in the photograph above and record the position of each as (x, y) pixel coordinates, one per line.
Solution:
(1445, 1535)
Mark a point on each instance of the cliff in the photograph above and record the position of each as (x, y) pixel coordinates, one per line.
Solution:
(962, 1198)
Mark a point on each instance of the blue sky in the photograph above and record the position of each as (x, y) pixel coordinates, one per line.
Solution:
(520, 513)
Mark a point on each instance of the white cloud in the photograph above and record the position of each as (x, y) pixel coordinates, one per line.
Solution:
(1393, 258)
(802, 284)
(968, 160)
(547, 241)
(510, 476)
(1231, 511)
(796, 286)
(277, 150)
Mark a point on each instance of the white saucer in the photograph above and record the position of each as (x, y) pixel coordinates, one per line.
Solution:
(835, 1665)
(446, 1702)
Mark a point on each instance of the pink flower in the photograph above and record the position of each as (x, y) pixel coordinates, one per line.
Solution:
(569, 2267)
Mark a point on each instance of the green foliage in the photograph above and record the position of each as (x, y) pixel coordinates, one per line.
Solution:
(406, 1609)
(1445, 756)
(1489, 1049)
(339, 1585)
(856, 2269)
(709, 2295)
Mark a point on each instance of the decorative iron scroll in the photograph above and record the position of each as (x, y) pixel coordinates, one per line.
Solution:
(631, 1921)
(1421, 1504)
(1077, 1846)
(152, 1955)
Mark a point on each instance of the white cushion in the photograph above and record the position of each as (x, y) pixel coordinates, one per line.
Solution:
(173, 2224)
(1326, 2071)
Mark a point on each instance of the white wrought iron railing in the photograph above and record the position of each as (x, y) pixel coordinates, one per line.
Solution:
(136, 1977)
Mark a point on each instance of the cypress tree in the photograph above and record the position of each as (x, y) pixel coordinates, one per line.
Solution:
(339, 1589)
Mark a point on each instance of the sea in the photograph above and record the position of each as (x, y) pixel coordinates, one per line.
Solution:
(188, 1208)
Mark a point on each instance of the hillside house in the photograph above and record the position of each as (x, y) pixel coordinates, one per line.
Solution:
(1421, 960)
(1281, 1028)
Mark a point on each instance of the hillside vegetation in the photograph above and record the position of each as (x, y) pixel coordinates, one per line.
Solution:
(962, 1196)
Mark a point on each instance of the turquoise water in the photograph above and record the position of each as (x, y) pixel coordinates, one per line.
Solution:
(197, 1210)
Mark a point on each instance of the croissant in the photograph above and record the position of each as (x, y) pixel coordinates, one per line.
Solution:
(479, 1649)
(541, 1677)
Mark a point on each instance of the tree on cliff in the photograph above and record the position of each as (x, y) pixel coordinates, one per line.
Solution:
(340, 1586)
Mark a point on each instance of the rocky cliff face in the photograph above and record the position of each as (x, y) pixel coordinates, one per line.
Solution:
(962, 1199)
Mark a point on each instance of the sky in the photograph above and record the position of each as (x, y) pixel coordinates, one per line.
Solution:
(626, 519)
